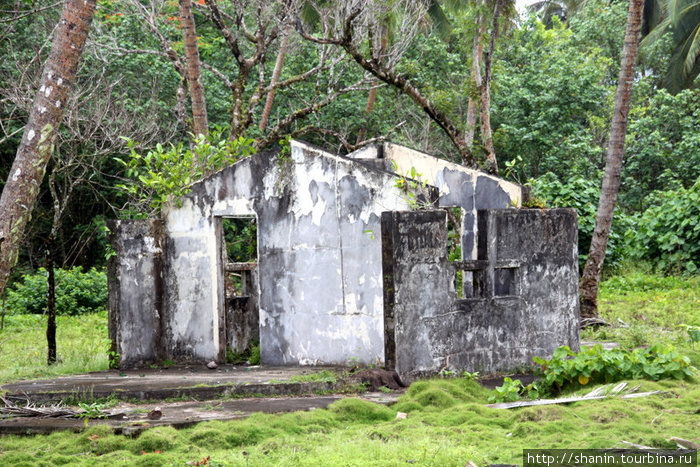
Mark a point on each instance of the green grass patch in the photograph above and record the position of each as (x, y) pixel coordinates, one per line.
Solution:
(644, 309)
(323, 376)
(448, 423)
(650, 300)
(82, 343)
(448, 429)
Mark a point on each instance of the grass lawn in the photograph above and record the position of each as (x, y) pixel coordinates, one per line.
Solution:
(81, 343)
(448, 423)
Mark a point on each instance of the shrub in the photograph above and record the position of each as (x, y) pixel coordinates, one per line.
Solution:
(77, 292)
(597, 365)
(569, 370)
(668, 233)
(583, 194)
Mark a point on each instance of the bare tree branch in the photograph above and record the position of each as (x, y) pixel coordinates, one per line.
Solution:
(385, 74)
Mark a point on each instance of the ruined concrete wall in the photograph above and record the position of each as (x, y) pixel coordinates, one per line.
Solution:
(545, 244)
(469, 189)
(135, 291)
(320, 260)
(195, 298)
(417, 288)
(528, 299)
(319, 255)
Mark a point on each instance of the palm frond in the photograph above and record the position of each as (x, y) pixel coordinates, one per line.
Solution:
(439, 19)
(693, 51)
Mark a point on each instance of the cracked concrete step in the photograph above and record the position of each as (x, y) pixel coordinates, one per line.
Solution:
(180, 414)
(182, 382)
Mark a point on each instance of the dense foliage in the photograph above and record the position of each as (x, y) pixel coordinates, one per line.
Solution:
(582, 194)
(663, 147)
(597, 365)
(668, 232)
(164, 174)
(125, 146)
(77, 292)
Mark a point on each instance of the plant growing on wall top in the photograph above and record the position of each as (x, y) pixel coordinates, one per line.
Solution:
(412, 186)
(165, 174)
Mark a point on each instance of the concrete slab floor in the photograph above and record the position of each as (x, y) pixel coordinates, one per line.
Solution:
(131, 419)
(198, 382)
(204, 394)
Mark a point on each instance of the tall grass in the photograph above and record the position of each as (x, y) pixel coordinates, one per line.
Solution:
(81, 341)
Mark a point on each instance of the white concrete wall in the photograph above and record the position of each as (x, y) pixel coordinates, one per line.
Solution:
(319, 253)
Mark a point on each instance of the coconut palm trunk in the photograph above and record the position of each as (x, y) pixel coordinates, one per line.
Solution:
(27, 172)
(613, 165)
(200, 123)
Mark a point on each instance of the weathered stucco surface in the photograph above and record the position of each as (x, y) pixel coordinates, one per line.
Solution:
(528, 300)
(319, 258)
(136, 284)
(320, 293)
(459, 186)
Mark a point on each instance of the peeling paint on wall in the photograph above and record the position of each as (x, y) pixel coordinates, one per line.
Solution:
(319, 250)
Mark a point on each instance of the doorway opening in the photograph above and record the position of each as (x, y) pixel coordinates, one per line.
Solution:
(239, 259)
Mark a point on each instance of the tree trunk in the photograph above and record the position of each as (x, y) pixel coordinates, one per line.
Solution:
(2, 319)
(200, 124)
(275, 78)
(37, 144)
(491, 165)
(473, 106)
(50, 305)
(372, 97)
(613, 165)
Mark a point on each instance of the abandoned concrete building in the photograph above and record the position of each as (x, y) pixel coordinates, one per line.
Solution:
(355, 263)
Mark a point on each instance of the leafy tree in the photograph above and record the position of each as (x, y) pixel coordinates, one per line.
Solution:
(164, 174)
(547, 95)
(78, 292)
(582, 193)
(663, 147)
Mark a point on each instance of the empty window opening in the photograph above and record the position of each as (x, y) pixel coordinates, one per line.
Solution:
(240, 236)
(505, 282)
(454, 247)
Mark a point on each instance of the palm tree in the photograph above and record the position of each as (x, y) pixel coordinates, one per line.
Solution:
(22, 187)
(200, 125)
(562, 9)
(613, 164)
(682, 19)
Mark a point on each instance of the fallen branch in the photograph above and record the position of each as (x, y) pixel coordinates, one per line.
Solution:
(30, 410)
(597, 394)
(684, 443)
(592, 322)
